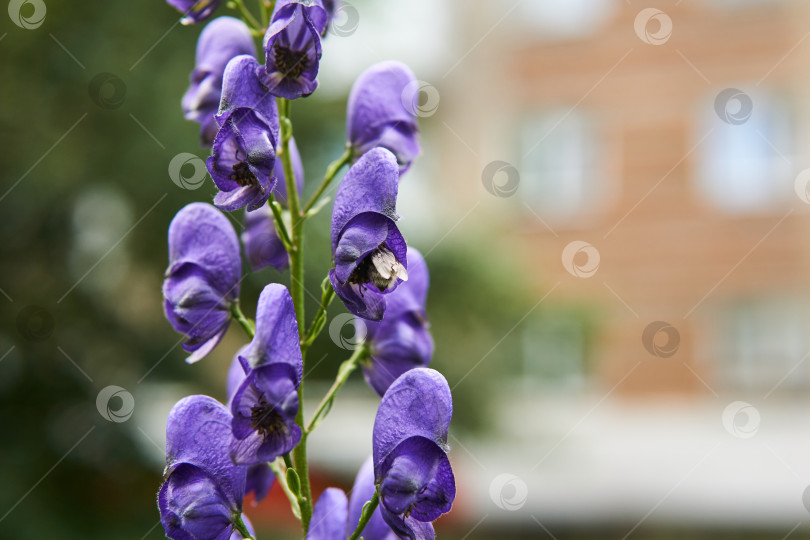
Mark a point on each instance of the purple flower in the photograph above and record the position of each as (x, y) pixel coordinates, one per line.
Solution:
(194, 10)
(380, 112)
(202, 281)
(376, 528)
(401, 341)
(243, 157)
(368, 249)
(260, 477)
(263, 247)
(222, 39)
(265, 403)
(202, 492)
(329, 516)
(292, 47)
(411, 468)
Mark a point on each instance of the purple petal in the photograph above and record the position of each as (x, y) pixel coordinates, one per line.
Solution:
(263, 247)
(417, 404)
(292, 47)
(362, 491)
(264, 409)
(194, 10)
(197, 432)
(377, 114)
(397, 347)
(329, 516)
(366, 303)
(259, 480)
(202, 235)
(242, 161)
(241, 88)
(371, 185)
(418, 480)
(192, 506)
(236, 373)
(276, 340)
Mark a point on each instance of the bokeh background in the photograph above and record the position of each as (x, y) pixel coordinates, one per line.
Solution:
(612, 200)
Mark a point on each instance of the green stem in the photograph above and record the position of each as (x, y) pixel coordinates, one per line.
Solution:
(331, 171)
(299, 453)
(317, 324)
(281, 229)
(248, 16)
(346, 369)
(240, 526)
(368, 510)
(246, 323)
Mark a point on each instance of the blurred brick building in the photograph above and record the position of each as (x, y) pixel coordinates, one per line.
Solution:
(668, 136)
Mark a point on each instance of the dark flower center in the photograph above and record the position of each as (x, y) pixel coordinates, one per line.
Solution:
(290, 63)
(265, 419)
(241, 173)
(380, 268)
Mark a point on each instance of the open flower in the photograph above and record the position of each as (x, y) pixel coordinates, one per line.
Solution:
(265, 403)
(263, 247)
(401, 341)
(259, 478)
(194, 10)
(377, 115)
(221, 39)
(202, 491)
(292, 47)
(368, 249)
(244, 152)
(202, 280)
(411, 468)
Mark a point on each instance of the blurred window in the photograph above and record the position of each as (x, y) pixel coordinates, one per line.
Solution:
(763, 342)
(555, 350)
(744, 164)
(559, 169)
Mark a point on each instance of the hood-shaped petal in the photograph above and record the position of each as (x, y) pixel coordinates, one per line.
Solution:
(241, 88)
(380, 112)
(371, 185)
(417, 404)
(194, 11)
(329, 516)
(197, 433)
(200, 234)
(276, 339)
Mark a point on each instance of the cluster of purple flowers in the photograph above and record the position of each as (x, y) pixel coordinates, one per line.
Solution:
(217, 453)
